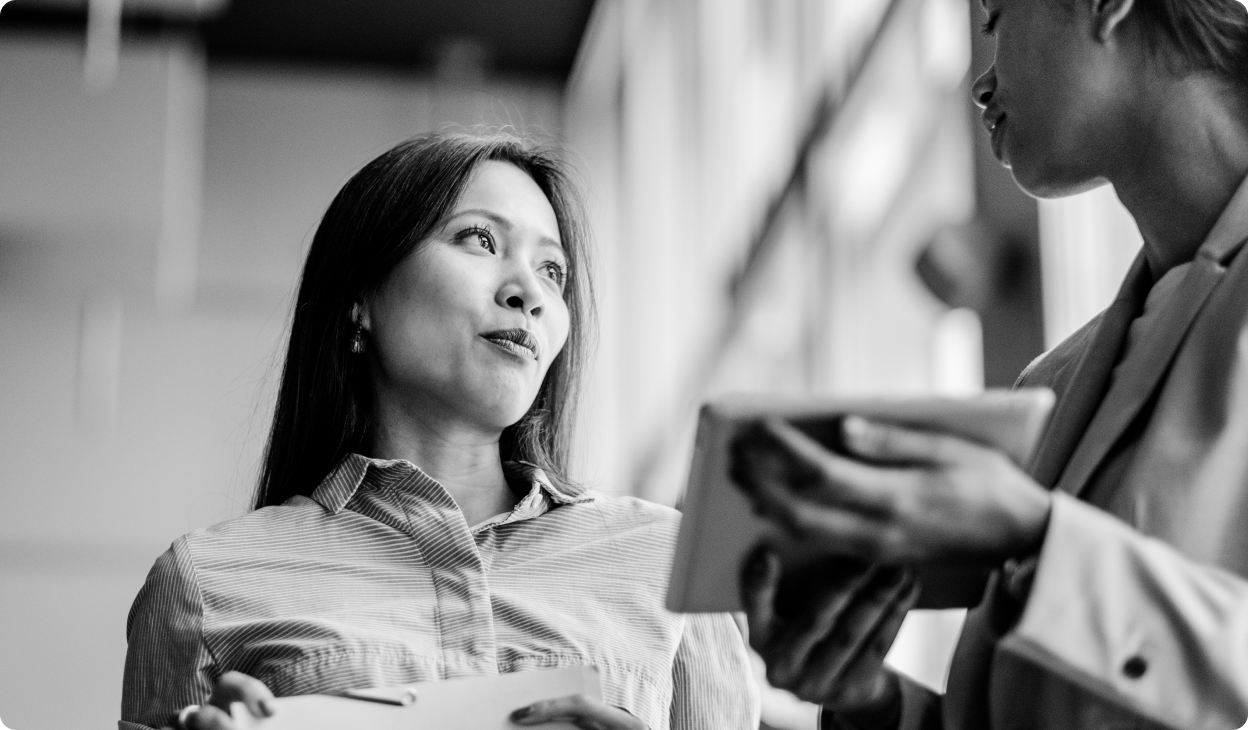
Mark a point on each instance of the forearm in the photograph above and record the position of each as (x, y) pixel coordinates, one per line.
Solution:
(1135, 622)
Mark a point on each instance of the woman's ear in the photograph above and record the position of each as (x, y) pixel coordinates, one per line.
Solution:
(1108, 16)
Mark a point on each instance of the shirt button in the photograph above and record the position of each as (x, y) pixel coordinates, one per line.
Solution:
(1135, 667)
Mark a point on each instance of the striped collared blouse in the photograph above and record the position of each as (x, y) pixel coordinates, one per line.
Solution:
(377, 580)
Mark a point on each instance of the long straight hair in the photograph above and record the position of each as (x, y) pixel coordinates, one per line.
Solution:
(378, 219)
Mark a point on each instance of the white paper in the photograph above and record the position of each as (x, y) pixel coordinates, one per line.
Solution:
(473, 703)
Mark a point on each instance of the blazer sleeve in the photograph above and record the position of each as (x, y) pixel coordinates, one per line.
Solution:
(168, 665)
(712, 681)
(1132, 620)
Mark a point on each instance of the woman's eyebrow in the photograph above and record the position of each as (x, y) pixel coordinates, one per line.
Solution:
(494, 217)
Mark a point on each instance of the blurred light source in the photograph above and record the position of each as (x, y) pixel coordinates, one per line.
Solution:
(177, 253)
(946, 41)
(958, 354)
(1087, 243)
(876, 162)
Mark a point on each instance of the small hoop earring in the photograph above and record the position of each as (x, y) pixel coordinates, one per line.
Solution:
(357, 341)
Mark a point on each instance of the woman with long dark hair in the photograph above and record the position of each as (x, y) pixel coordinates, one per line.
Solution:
(1121, 595)
(414, 520)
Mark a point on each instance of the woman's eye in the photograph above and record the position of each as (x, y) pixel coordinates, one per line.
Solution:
(482, 237)
(555, 272)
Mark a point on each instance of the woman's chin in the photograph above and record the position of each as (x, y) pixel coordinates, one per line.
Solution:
(1047, 183)
(498, 411)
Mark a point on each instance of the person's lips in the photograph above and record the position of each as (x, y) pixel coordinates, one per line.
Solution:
(518, 342)
(994, 122)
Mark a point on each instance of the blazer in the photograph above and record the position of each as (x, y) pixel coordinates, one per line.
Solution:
(1137, 616)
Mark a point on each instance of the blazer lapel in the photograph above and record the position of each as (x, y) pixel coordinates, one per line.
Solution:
(1140, 376)
(1078, 404)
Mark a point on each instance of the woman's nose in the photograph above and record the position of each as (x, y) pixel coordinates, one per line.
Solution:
(985, 86)
(522, 292)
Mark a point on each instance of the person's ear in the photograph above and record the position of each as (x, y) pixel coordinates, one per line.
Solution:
(1108, 17)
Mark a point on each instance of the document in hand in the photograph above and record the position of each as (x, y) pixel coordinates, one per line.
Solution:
(473, 703)
(720, 528)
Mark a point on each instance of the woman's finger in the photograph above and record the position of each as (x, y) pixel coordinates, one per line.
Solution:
(581, 711)
(760, 581)
(849, 532)
(862, 681)
(772, 475)
(791, 647)
(238, 687)
(766, 473)
(865, 634)
(210, 718)
(891, 443)
(841, 481)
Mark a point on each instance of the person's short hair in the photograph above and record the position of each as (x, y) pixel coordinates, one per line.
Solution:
(380, 217)
(1209, 35)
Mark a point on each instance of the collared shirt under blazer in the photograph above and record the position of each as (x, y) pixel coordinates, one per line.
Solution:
(1138, 613)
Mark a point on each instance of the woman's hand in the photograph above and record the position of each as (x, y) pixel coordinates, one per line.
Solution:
(830, 648)
(937, 497)
(231, 687)
(581, 711)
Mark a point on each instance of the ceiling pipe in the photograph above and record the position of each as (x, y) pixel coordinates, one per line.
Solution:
(102, 52)
(103, 46)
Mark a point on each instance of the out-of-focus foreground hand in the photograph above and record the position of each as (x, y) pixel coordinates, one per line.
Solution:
(231, 687)
(916, 497)
(829, 648)
(583, 712)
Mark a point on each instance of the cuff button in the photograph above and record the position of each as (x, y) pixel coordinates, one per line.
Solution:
(1135, 667)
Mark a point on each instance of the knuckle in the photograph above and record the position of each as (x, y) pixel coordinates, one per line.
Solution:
(892, 544)
(903, 500)
(545, 707)
(809, 690)
(881, 439)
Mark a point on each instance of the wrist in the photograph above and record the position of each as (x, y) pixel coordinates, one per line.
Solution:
(882, 714)
(1034, 524)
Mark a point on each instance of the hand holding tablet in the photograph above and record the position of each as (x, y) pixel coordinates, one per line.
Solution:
(932, 484)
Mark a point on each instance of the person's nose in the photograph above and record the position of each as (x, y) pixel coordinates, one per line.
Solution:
(985, 86)
(522, 292)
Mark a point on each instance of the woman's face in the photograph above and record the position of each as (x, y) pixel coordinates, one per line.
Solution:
(1054, 97)
(466, 327)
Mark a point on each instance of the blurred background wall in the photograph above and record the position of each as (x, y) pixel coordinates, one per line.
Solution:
(789, 196)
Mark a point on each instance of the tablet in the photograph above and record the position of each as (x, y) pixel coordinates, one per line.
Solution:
(472, 703)
(720, 529)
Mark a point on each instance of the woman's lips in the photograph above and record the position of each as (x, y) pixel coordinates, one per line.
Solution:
(518, 342)
(996, 130)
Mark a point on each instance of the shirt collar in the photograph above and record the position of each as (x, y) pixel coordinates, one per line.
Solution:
(337, 489)
(1231, 228)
